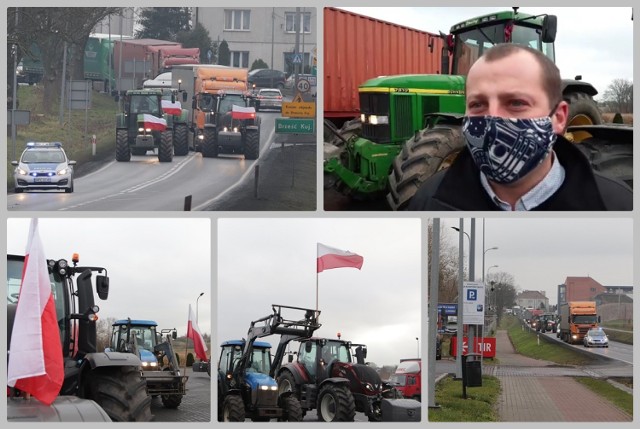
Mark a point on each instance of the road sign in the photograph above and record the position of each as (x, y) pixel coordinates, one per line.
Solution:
(303, 85)
(295, 126)
(22, 117)
(448, 309)
(485, 346)
(473, 303)
(297, 59)
(299, 109)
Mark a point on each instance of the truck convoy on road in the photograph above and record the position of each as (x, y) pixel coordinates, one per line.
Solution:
(576, 318)
(409, 122)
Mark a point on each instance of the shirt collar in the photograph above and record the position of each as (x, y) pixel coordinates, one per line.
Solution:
(537, 195)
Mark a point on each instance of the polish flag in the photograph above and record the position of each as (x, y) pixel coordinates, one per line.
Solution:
(153, 122)
(35, 358)
(193, 332)
(171, 108)
(239, 112)
(330, 257)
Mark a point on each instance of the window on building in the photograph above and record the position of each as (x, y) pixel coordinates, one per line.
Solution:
(240, 59)
(237, 20)
(290, 22)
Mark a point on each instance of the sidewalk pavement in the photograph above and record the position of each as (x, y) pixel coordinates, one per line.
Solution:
(526, 396)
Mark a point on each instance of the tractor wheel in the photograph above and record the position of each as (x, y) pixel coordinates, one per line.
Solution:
(252, 145)
(336, 404)
(171, 401)
(123, 151)
(348, 130)
(611, 158)
(138, 152)
(210, 143)
(181, 140)
(292, 411)
(432, 150)
(286, 383)
(233, 409)
(582, 111)
(121, 392)
(165, 150)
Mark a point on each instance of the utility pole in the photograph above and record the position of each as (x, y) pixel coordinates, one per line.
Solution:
(296, 66)
(433, 311)
(273, 29)
(14, 96)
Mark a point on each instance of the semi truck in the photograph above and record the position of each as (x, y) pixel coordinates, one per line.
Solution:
(576, 318)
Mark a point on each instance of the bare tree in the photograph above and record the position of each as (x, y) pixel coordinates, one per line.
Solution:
(619, 96)
(103, 332)
(502, 290)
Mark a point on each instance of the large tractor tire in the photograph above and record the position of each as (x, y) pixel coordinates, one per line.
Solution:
(165, 150)
(286, 383)
(233, 409)
(210, 143)
(291, 409)
(121, 392)
(432, 150)
(611, 158)
(171, 401)
(123, 151)
(252, 145)
(181, 140)
(582, 111)
(348, 130)
(336, 404)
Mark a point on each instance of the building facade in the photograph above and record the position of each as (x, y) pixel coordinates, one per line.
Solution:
(533, 299)
(265, 33)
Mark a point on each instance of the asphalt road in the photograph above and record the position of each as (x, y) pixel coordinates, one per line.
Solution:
(195, 406)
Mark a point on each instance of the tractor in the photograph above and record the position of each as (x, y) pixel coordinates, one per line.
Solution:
(143, 126)
(230, 124)
(246, 388)
(325, 376)
(160, 367)
(110, 379)
(410, 125)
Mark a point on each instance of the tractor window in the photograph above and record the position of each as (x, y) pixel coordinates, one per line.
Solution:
(470, 45)
(260, 361)
(336, 350)
(206, 103)
(308, 360)
(144, 104)
(227, 103)
(531, 37)
(229, 355)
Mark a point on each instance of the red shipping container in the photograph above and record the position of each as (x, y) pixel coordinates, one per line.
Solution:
(358, 48)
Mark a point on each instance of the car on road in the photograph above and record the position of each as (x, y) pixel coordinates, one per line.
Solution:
(42, 166)
(268, 98)
(291, 80)
(266, 78)
(596, 338)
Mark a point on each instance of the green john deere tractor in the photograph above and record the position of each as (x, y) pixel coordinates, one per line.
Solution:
(410, 125)
(143, 125)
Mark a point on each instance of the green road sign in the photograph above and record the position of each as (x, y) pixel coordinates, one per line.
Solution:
(295, 126)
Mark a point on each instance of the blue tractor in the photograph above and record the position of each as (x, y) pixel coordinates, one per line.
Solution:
(160, 367)
(245, 388)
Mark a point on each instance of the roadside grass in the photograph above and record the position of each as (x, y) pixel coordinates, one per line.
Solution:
(480, 405)
(617, 397)
(624, 325)
(46, 127)
(621, 337)
(526, 342)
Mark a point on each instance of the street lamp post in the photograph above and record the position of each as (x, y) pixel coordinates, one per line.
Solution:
(468, 237)
(418, 343)
(201, 293)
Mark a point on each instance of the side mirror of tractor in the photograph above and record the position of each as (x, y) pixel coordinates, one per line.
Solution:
(174, 335)
(102, 287)
(549, 28)
(308, 346)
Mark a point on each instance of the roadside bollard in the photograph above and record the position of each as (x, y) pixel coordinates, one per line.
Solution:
(93, 145)
(538, 338)
(187, 203)
(256, 177)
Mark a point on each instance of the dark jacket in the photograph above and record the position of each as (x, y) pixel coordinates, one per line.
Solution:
(459, 187)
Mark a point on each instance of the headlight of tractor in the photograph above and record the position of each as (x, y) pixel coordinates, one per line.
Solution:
(378, 120)
(363, 118)
(368, 387)
(140, 130)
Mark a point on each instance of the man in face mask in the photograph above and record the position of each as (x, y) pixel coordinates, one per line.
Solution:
(515, 156)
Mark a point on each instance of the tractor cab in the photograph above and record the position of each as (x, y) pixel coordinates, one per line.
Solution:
(138, 337)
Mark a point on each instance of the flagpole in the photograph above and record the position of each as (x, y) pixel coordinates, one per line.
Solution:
(317, 255)
(186, 344)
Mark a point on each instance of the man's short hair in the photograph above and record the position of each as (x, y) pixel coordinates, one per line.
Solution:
(551, 80)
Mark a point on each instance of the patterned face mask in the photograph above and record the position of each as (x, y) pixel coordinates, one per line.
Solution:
(507, 149)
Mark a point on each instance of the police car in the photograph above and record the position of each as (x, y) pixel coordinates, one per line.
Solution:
(43, 165)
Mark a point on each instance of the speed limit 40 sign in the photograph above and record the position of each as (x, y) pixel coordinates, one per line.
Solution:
(303, 85)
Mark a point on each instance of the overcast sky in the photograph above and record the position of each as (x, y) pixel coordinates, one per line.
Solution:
(595, 42)
(156, 267)
(273, 261)
(541, 253)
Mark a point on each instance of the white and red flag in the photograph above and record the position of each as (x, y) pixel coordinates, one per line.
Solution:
(239, 112)
(170, 108)
(153, 122)
(330, 257)
(35, 358)
(193, 332)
